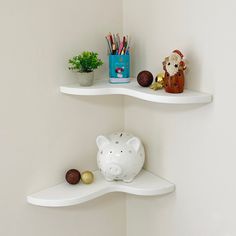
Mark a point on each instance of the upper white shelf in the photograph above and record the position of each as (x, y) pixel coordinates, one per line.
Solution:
(133, 89)
(146, 184)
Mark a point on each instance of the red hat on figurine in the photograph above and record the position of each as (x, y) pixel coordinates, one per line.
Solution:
(179, 53)
(183, 65)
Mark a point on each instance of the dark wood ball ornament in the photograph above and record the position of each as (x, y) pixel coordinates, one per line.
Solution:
(145, 78)
(73, 176)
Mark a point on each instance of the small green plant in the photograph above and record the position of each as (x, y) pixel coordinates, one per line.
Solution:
(85, 62)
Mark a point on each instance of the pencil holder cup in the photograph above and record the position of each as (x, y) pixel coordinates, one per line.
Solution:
(119, 68)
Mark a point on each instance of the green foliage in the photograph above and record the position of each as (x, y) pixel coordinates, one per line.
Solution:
(85, 62)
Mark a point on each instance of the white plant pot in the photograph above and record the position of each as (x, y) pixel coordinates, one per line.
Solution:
(86, 79)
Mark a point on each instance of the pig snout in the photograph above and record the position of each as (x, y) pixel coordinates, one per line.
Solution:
(114, 170)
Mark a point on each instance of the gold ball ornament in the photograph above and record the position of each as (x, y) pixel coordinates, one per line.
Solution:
(87, 177)
(158, 82)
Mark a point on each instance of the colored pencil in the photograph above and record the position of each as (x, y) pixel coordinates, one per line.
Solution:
(116, 46)
(109, 45)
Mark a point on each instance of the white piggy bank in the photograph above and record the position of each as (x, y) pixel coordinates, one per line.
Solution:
(120, 156)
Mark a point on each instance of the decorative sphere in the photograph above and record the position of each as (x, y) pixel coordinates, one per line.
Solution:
(87, 177)
(73, 176)
(145, 78)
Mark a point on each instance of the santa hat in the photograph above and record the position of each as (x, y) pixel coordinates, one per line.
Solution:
(179, 53)
(183, 65)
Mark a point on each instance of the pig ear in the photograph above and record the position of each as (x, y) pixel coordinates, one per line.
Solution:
(135, 143)
(102, 141)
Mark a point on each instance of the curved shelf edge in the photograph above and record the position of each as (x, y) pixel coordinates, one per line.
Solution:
(145, 184)
(103, 87)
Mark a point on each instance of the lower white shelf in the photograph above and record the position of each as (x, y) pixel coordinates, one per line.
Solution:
(146, 184)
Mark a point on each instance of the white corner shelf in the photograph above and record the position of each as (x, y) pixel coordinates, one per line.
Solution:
(145, 184)
(133, 89)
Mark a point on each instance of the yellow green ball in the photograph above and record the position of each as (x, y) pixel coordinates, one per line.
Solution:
(87, 177)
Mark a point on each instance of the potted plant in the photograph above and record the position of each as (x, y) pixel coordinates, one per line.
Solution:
(85, 63)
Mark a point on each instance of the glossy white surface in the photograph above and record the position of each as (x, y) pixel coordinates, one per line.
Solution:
(146, 184)
(120, 156)
(133, 89)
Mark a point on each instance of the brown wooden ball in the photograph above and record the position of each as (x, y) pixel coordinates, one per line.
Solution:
(145, 78)
(73, 176)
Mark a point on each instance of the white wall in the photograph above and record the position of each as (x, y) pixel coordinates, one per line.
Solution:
(43, 132)
(193, 146)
